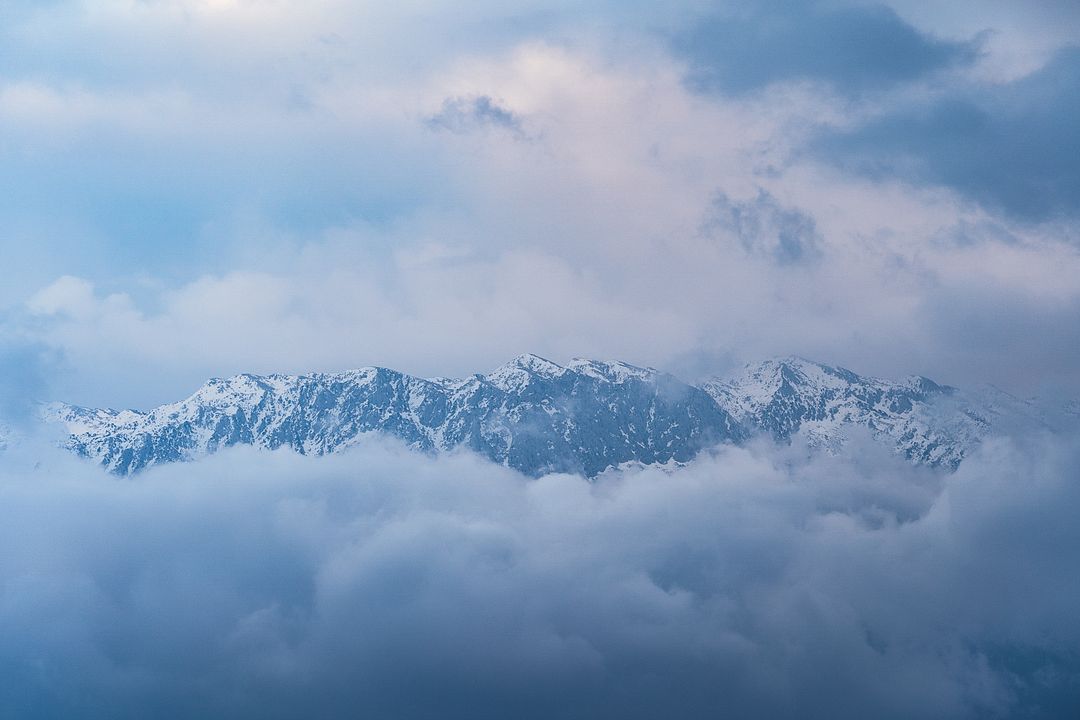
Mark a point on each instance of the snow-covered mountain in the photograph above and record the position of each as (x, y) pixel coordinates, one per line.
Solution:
(928, 423)
(529, 414)
(537, 416)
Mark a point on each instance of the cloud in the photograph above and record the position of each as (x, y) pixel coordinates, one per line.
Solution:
(1044, 331)
(139, 135)
(27, 368)
(381, 582)
(1014, 40)
(763, 227)
(588, 242)
(199, 188)
(855, 49)
(1011, 147)
(311, 220)
(460, 115)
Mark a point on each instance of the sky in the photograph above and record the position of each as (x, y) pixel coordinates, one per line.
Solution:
(198, 188)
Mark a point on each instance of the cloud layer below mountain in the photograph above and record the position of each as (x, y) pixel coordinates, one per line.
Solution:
(752, 583)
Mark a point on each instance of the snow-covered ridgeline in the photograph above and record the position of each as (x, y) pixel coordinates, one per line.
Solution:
(537, 416)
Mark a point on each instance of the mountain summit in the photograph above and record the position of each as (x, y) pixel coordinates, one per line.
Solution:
(928, 423)
(537, 416)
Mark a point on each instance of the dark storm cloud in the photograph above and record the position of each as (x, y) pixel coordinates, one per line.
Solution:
(1013, 148)
(855, 49)
(385, 584)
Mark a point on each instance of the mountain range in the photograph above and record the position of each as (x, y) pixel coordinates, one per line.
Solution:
(538, 417)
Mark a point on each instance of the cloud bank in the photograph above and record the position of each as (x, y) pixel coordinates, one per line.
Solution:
(754, 583)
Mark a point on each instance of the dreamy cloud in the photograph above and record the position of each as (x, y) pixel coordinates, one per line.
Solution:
(381, 582)
(854, 48)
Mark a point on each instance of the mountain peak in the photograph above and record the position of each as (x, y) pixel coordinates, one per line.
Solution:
(798, 370)
(789, 360)
(613, 371)
(535, 363)
(521, 370)
(229, 390)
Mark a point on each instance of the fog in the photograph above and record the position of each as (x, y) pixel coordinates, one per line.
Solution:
(760, 582)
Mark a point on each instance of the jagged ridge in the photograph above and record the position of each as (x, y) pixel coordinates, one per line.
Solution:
(529, 414)
(927, 422)
(537, 416)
